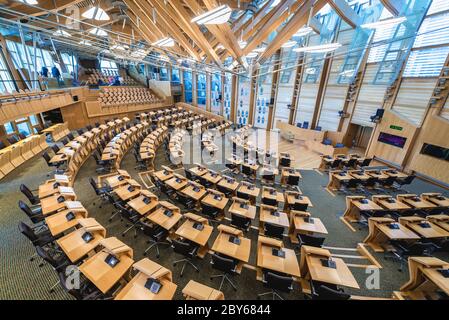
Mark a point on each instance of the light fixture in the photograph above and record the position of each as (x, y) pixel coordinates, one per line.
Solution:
(98, 32)
(96, 13)
(320, 48)
(220, 47)
(252, 54)
(310, 71)
(275, 3)
(61, 33)
(260, 49)
(289, 44)
(29, 1)
(165, 42)
(218, 15)
(242, 44)
(303, 32)
(347, 73)
(384, 23)
(85, 43)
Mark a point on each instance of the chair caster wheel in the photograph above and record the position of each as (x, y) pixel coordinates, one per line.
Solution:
(197, 271)
(144, 253)
(235, 289)
(52, 291)
(180, 275)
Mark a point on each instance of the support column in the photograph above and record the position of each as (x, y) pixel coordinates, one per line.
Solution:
(296, 90)
(208, 92)
(252, 95)
(222, 94)
(194, 89)
(234, 90)
(274, 89)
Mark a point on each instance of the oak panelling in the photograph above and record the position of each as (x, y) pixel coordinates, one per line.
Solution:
(413, 98)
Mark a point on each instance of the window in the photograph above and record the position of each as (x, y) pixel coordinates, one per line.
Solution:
(163, 74)
(108, 66)
(187, 77)
(27, 126)
(175, 76)
(435, 151)
(24, 128)
(438, 6)
(243, 99)
(9, 128)
(6, 83)
(216, 93)
(227, 89)
(69, 61)
(201, 90)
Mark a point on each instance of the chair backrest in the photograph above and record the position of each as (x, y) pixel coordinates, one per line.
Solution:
(408, 180)
(278, 282)
(27, 192)
(70, 136)
(239, 221)
(351, 162)
(269, 177)
(208, 210)
(80, 131)
(270, 201)
(94, 185)
(300, 206)
(292, 180)
(272, 230)
(89, 127)
(55, 148)
(188, 174)
(285, 162)
(46, 157)
(243, 195)
(27, 231)
(311, 240)
(366, 162)
(181, 247)
(223, 264)
(336, 163)
(246, 169)
(389, 181)
(324, 292)
(25, 208)
(46, 257)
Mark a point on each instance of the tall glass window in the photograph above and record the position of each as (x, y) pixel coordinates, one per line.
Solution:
(227, 95)
(6, 83)
(175, 75)
(187, 77)
(286, 85)
(264, 82)
(163, 74)
(69, 61)
(108, 66)
(216, 92)
(201, 90)
(243, 99)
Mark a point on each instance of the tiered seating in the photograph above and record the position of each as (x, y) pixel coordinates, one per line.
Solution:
(23, 95)
(95, 75)
(57, 131)
(111, 96)
(150, 144)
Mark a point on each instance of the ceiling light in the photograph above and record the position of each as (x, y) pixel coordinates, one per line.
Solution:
(242, 44)
(218, 15)
(319, 49)
(29, 1)
(347, 73)
(98, 32)
(61, 33)
(303, 32)
(165, 42)
(275, 3)
(384, 23)
(289, 44)
(85, 42)
(96, 13)
(261, 49)
(310, 71)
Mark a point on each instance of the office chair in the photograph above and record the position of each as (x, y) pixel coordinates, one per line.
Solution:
(369, 183)
(37, 239)
(300, 206)
(240, 222)
(243, 195)
(285, 162)
(226, 265)
(351, 163)
(270, 202)
(2, 145)
(58, 263)
(276, 283)
(403, 182)
(186, 201)
(47, 159)
(70, 136)
(247, 171)
(273, 231)
(268, 178)
(225, 191)
(305, 124)
(55, 148)
(350, 184)
(403, 250)
(366, 162)
(310, 240)
(334, 165)
(34, 200)
(101, 192)
(209, 211)
(157, 234)
(130, 216)
(86, 291)
(204, 182)
(325, 291)
(80, 131)
(89, 127)
(186, 249)
(97, 124)
(165, 189)
(141, 165)
(292, 181)
(64, 141)
(34, 214)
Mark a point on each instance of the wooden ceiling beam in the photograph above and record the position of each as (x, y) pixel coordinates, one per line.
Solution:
(253, 22)
(346, 12)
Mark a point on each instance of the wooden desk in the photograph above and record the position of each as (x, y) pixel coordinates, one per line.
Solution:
(58, 223)
(311, 268)
(140, 206)
(228, 183)
(164, 174)
(176, 183)
(380, 233)
(266, 216)
(160, 218)
(117, 180)
(250, 190)
(432, 232)
(423, 270)
(394, 173)
(51, 204)
(417, 202)
(73, 244)
(266, 260)
(136, 290)
(387, 203)
(200, 237)
(124, 193)
(272, 194)
(212, 177)
(248, 211)
(222, 244)
(48, 189)
(102, 275)
(210, 200)
(197, 291)
(198, 170)
(287, 172)
(377, 174)
(354, 206)
(436, 198)
(336, 178)
(194, 191)
(441, 220)
(302, 223)
(359, 175)
(293, 197)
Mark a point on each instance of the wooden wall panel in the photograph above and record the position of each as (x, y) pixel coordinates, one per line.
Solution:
(413, 97)
(388, 152)
(445, 110)
(370, 98)
(306, 102)
(435, 130)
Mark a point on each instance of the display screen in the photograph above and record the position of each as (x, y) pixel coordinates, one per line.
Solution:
(435, 151)
(392, 140)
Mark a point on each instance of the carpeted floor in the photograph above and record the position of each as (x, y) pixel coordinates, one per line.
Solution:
(23, 279)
